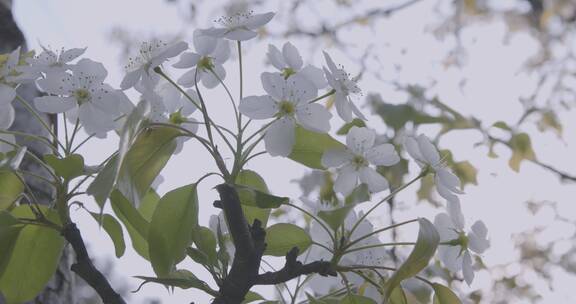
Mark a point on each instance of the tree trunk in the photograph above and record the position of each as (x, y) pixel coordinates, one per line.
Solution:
(60, 288)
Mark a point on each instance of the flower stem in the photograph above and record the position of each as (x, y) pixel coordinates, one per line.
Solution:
(329, 93)
(378, 245)
(352, 243)
(40, 119)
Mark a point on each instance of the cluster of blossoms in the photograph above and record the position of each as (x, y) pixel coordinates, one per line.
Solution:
(292, 100)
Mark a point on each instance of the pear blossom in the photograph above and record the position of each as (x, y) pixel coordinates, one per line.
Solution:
(82, 95)
(7, 91)
(240, 26)
(47, 62)
(288, 102)
(151, 54)
(344, 89)
(426, 155)
(456, 252)
(211, 54)
(354, 161)
(289, 62)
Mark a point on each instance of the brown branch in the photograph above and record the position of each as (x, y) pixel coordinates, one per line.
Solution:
(86, 270)
(249, 242)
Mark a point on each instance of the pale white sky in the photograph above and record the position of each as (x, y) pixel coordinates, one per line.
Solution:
(491, 93)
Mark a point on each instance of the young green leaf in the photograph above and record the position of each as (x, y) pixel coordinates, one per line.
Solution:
(102, 185)
(418, 259)
(251, 297)
(206, 243)
(252, 197)
(34, 259)
(280, 238)
(443, 295)
(252, 179)
(180, 278)
(335, 217)
(144, 161)
(10, 188)
(134, 221)
(9, 229)
(521, 150)
(114, 231)
(356, 299)
(171, 229)
(68, 168)
(310, 146)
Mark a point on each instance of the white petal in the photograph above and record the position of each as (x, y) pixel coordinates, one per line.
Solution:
(292, 56)
(187, 60)
(479, 228)
(315, 75)
(240, 34)
(170, 51)
(94, 120)
(357, 111)
(7, 94)
(215, 32)
(209, 80)
(54, 104)
(346, 180)
(428, 150)
(58, 83)
(450, 257)
(467, 269)
(204, 44)
(171, 97)
(455, 213)
(71, 54)
(275, 57)
(336, 157)
(411, 146)
(373, 179)
(443, 191)
(222, 51)
(300, 90)
(274, 85)
(188, 79)
(477, 238)
(449, 180)
(130, 79)
(343, 107)
(383, 155)
(189, 107)
(314, 117)
(258, 107)
(359, 140)
(445, 227)
(7, 115)
(330, 63)
(279, 138)
(87, 67)
(258, 20)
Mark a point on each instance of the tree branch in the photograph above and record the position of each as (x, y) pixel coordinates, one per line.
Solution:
(250, 245)
(86, 270)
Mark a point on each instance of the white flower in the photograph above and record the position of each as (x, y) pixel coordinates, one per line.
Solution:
(151, 55)
(168, 105)
(354, 161)
(289, 62)
(211, 54)
(47, 62)
(288, 101)
(7, 91)
(426, 154)
(241, 26)
(344, 88)
(456, 254)
(82, 95)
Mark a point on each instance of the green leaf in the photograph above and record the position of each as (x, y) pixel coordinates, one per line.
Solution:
(206, 242)
(252, 179)
(356, 122)
(464, 169)
(398, 296)
(252, 197)
(182, 279)
(136, 224)
(335, 217)
(114, 231)
(280, 238)
(310, 146)
(34, 258)
(102, 185)
(397, 116)
(144, 160)
(418, 259)
(501, 125)
(10, 188)
(443, 295)
(171, 228)
(9, 229)
(549, 121)
(68, 168)
(356, 299)
(521, 150)
(251, 297)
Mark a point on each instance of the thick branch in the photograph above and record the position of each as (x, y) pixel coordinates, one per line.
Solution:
(86, 270)
(250, 245)
(293, 269)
